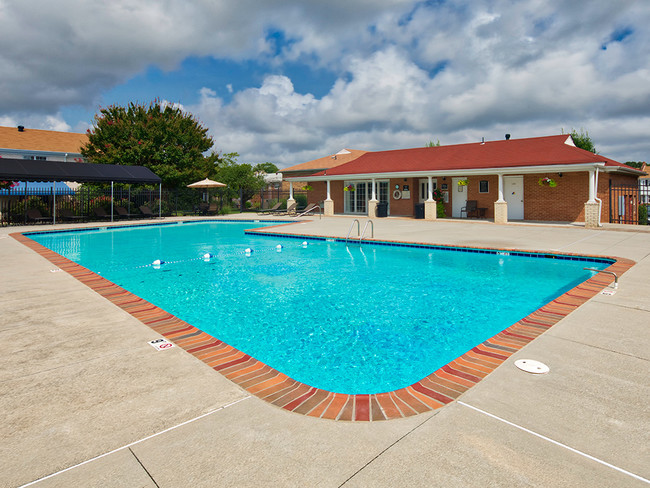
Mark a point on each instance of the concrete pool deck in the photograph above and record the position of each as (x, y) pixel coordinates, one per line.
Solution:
(80, 381)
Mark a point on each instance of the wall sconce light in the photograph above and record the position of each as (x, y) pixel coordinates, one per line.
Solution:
(560, 175)
(444, 178)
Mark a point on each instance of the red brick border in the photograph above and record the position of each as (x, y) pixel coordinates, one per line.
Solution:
(436, 390)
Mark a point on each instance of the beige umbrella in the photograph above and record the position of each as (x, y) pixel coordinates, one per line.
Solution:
(207, 183)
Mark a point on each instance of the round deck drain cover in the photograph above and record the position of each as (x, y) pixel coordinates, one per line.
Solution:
(532, 366)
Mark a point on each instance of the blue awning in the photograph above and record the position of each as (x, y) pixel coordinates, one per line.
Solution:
(37, 188)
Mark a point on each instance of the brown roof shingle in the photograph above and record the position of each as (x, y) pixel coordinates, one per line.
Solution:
(326, 162)
(41, 140)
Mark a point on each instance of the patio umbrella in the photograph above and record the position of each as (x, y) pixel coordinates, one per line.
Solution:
(207, 183)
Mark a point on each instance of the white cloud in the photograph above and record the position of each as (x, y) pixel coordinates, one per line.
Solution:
(406, 72)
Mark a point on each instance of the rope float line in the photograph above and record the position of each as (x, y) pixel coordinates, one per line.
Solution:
(207, 256)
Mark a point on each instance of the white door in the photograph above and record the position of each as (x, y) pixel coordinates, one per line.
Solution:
(458, 195)
(513, 193)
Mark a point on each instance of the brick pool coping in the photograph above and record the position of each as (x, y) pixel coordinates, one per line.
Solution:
(432, 392)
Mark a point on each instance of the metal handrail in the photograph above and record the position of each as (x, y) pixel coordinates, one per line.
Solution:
(320, 213)
(605, 271)
(372, 230)
(351, 227)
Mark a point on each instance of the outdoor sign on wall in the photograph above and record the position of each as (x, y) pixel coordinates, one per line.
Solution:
(406, 192)
(161, 344)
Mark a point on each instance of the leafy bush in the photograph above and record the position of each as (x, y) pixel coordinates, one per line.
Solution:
(301, 199)
(440, 210)
(643, 215)
(32, 202)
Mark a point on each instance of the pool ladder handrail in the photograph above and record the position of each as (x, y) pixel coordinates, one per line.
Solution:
(605, 271)
(320, 212)
(372, 230)
(350, 231)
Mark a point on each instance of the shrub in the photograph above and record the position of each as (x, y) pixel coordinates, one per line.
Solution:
(440, 210)
(643, 215)
(32, 202)
(301, 200)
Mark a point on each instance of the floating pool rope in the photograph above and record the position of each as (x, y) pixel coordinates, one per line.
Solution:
(248, 252)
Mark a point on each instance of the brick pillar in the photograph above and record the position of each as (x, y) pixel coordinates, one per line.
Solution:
(430, 210)
(592, 212)
(500, 212)
(372, 208)
(329, 207)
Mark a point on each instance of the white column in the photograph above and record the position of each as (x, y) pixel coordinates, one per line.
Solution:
(430, 196)
(500, 199)
(592, 186)
(291, 190)
(328, 204)
(374, 190)
(500, 206)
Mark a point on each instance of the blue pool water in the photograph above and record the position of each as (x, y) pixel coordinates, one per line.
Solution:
(349, 319)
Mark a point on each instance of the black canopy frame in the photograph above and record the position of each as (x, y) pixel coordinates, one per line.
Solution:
(28, 170)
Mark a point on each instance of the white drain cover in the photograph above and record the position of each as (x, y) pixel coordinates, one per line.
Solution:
(532, 366)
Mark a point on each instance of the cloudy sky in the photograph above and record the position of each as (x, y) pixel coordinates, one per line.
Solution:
(287, 81)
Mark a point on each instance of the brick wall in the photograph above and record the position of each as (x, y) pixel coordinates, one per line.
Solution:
(403, 207)
(563, 203)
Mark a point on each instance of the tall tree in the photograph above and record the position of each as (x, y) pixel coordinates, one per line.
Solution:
(433, 144)
(161, 137)
(241, 179)
(582, 140)
(267, 168)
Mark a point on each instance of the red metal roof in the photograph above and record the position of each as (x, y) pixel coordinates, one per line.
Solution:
(537, 151)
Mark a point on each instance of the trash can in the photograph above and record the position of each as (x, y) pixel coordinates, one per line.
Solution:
(419, 210)
(382, 209)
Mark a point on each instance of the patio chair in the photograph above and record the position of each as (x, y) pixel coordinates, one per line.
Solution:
(290, 210)
(146, 211)
(123, 213)
(67, 214)
(201, 208)
(35, 215)
(269, 210)
(470, 208)
(100, 213)
(213, 208)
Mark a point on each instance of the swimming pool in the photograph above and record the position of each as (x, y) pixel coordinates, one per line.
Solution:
(348, 319)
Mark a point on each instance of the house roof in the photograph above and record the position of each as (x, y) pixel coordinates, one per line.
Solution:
(532, 152)
(326, 162)
(41, 140)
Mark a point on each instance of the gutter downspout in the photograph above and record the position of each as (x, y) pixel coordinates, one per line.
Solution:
(600, 202)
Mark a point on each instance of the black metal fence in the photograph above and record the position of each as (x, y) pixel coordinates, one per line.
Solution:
(624, 204)
(26, 206)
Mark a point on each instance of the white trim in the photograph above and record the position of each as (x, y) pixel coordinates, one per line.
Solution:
(510, 170)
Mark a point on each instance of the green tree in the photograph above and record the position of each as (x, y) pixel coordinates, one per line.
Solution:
(433, 144)
(267, 168)
(161, 137)
(635, 164)
(582, 140)
(241, 178)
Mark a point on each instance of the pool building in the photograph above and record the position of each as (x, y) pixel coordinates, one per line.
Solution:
(532, 179)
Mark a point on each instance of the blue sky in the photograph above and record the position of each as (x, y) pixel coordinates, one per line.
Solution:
(287, 81)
